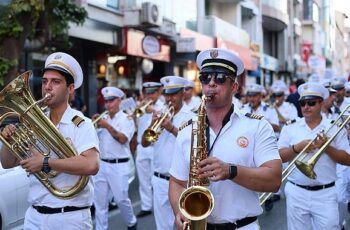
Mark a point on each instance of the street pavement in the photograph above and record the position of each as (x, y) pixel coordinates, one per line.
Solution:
(274, 219)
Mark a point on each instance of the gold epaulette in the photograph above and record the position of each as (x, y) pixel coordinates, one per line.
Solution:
(289, 122)
(77, 120)
(254, 116)
(185, 124)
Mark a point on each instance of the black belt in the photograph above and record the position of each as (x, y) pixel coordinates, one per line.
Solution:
(230, 226)
(48, 210)
(114, 161)
(165, 177)
(314, 188)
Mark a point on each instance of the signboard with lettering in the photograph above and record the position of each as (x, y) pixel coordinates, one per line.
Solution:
(184, 45)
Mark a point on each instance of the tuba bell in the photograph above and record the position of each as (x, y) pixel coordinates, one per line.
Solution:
(35, 129)
(197, 202)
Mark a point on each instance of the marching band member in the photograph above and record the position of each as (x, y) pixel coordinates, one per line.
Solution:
(190, 99)
(328, 103)
(257, 106)
(115, 133)
(312, 202)
(338, 83)
(163, 148)
(144, 157)
(242, 150)
(286, 109)
(347, 89)
(62, 75)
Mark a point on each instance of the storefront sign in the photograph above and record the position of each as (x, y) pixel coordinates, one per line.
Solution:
(184, 45)
(150, 45)
(268, 62)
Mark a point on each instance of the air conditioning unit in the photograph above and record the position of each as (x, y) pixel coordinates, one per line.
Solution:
(151, 14)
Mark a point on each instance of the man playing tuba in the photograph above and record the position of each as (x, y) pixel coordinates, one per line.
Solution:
(62, 74)
(242, 151)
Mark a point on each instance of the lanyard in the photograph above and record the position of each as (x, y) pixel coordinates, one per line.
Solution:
(207, 130)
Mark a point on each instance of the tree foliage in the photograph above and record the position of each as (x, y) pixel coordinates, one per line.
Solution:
(31, 25)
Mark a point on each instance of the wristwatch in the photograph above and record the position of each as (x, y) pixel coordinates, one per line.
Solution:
(46, 168)
(232, 171)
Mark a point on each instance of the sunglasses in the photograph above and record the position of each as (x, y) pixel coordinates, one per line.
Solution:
(309, 103)
(219, 78)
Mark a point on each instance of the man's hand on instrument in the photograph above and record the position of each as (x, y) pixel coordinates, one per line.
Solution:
(33, 164)
(214, 169)
(102, 124)
(319, 141)
(180, 221)
(8, 131)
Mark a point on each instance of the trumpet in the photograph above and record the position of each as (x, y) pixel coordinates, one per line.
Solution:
(102, 115)
(297, 161)
(139, 111)
(152, 133)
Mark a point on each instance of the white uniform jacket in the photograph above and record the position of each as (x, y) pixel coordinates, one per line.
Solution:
(82, 137)
(242, 141)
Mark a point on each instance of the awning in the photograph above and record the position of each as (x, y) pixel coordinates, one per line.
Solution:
(243, 52)
(202, 42)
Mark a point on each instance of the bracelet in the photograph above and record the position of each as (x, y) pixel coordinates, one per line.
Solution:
(296, 152)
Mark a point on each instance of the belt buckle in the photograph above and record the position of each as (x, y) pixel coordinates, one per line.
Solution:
(62, 210)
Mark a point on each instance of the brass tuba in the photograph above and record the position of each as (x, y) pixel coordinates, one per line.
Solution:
(36, 130)
(152, 133)
(197, 202)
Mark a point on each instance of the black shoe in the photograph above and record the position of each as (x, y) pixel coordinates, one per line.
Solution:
(268, 205)
(143, 213)
(275, 198)
(134, 227)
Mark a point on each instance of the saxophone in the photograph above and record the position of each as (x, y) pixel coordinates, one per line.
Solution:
(197, 202)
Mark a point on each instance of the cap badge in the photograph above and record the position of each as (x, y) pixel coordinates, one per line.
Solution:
(167, 80)
(58, 56)
(306, 87)
(242, 142)
(214, 54)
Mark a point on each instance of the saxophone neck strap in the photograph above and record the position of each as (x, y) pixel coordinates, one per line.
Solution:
(224, 122)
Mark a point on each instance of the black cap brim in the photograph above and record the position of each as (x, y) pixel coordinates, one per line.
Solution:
(110, 98)
(338, 87)
(59, 69)
(172, 90)
(216, 69)
(252, 93)
(309, 97)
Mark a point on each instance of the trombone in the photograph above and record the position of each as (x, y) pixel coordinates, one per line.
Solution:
(307, 168)
(152, 133)
(301, 156)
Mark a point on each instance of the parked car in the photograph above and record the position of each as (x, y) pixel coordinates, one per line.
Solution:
(14, 186)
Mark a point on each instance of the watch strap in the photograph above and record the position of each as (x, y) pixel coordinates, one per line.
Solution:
(46, 168)
(232, 171)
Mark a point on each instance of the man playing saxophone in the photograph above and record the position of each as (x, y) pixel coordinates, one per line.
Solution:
(62, 74)
(242, 151)
(163, 148)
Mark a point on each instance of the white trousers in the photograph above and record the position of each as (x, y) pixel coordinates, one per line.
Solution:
(317, 210)
(163, 213)
(144, 167)
(112, 177)
(76, 220)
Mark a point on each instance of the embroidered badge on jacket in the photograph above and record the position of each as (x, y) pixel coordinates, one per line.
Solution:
(242, 142)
